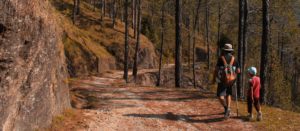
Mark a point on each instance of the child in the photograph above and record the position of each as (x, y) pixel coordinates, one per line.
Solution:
(253, 94)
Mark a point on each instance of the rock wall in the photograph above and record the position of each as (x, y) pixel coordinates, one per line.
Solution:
(33, 72)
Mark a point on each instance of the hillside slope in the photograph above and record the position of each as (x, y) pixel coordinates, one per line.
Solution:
(32, 66)
(92, 46)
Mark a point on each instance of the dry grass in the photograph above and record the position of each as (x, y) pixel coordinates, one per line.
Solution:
(274, 119)
(68, 121)
(91, 32)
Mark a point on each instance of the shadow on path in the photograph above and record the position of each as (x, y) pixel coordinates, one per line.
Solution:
(187, 118)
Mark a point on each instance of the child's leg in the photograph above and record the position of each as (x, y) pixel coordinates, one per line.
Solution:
(257, 105)
(249, 102)
(258, 109)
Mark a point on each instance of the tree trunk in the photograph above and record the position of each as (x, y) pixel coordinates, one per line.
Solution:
(219, 30)
(245, 45)
(162, 44)
(121, 10)
(240, 46)
(194, 42)
(137, 46)
(189, 42)
(78, 7)
(281, 50)
(178, 45)
(207, 40)
(104, 8)
(133, 12)
(264, 48)
(135, 19)
(101, 10)
(126, 43)
(74, 10)
(278, 43)
(94, 3)
(114, 13)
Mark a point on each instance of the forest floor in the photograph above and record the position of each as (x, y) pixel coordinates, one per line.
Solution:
(107, 104)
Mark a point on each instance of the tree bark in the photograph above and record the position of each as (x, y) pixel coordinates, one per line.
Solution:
(189, 42)
(114, 13)
(240, 46)
(94, 3)
(74, 10)
(135, 19)
(133, 12)
(264, 49)
(178, 44)
(162, 44)
(245, 45)
(126, 43)
(219, 30)
(137, 46)
(78, 7)
(104, 8)
(207, 40)
(101, 10)
(194, 42)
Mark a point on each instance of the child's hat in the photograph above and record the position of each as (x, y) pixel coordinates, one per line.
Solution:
(252, 70)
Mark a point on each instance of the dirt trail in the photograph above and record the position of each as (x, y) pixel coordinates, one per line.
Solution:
(113, 106)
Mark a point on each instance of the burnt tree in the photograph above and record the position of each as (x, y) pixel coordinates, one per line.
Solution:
(207, 33)
(178, 44)
(219, 30)
(245, 44)
(161, 44)
(264, 48)
(240, 46)
(126, 42)
(113, 13)
(137, 46)
(194, 41)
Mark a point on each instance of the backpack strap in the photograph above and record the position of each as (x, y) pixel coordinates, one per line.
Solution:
(224, 60)
(232, 61)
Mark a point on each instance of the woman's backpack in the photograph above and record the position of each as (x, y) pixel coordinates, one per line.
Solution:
(228, 73)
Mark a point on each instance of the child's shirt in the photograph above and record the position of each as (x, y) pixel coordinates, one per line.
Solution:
(254, 82)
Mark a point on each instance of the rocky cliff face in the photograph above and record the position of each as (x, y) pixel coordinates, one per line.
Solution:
(32, 66)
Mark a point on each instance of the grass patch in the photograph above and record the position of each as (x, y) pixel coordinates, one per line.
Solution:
(67, 121)
(274, 119)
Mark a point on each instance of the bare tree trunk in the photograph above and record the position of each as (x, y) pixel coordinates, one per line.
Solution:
(219, 29)
(94, 3)
(189, 42)
(245, 45)
(294, 84)
(101, 9)
(162, 43)
(133, 12)
(194, 41)
(74, 10)
(126, 43)
(264, 48)
(114, 13)
(278, 43)
(240, 46)
(281, 50)
(135, 19)
(178, 44)
(78, 7)
(104, 8)
(121, 10)
(137, 46)
(207, 40)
